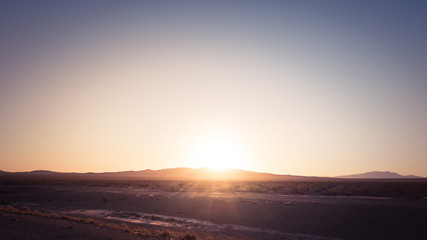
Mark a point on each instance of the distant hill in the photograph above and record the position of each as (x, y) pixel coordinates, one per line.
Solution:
(41, 172)
(167, 174)
(379, 174)
(192, 174)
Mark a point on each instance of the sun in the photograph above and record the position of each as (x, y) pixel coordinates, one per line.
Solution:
(218, 151)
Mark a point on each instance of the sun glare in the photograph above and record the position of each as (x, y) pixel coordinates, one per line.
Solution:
(218, 152)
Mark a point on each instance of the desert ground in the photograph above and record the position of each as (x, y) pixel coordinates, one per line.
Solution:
(85, 211)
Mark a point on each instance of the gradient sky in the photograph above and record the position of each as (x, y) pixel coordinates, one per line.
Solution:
(320, 88)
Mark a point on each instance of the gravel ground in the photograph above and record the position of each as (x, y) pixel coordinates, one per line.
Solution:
(284, 216)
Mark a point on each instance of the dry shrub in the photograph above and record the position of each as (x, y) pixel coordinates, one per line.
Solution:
(139, 231)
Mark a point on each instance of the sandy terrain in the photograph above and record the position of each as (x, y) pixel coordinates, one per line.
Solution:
(215, 215)
(14, 227)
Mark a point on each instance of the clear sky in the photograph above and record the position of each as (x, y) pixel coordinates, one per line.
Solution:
(320, 88)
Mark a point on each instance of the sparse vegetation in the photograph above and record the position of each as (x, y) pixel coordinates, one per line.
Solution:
(137, 230)
(381, 188)
(4, 191)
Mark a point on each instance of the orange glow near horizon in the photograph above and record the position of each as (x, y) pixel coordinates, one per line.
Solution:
(219, 151)
(272, 88)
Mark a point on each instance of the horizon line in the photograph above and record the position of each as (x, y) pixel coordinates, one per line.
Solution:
(277, 174)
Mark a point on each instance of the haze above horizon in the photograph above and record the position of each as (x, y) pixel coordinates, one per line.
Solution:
(304, 88)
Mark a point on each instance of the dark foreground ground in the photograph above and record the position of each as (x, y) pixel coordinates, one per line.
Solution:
(84, 212)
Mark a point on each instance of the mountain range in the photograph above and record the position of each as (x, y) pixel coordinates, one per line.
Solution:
(379, 174)
(167, 174)
(198, 174)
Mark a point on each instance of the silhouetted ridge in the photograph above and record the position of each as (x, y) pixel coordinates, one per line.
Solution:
(171, 174)
(199, 174)
(379, 174)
